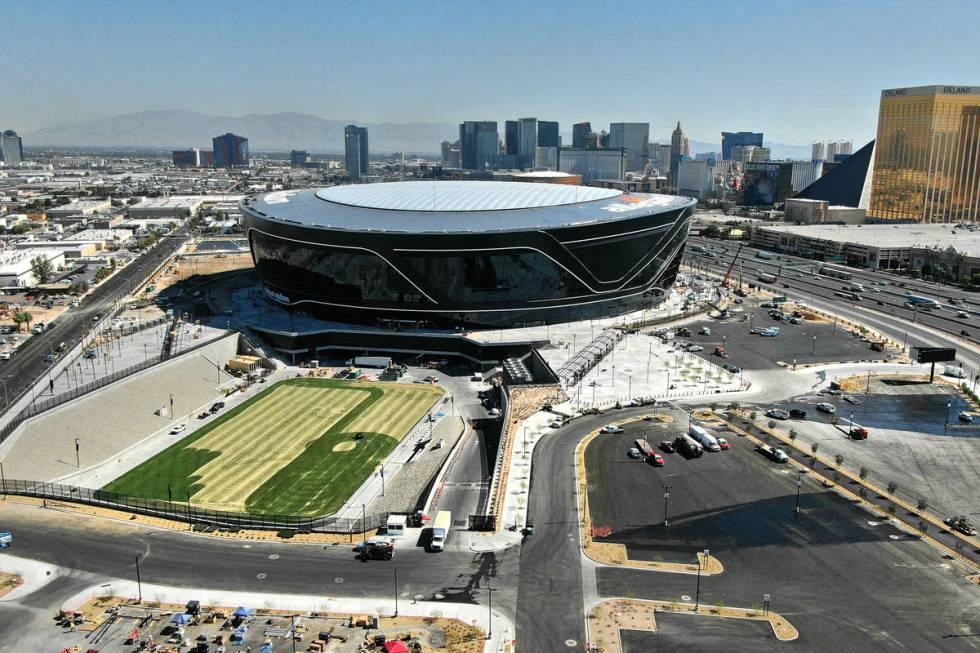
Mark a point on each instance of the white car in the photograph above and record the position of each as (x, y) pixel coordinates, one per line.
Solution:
(556, 424)
(612, 428)
(180, 428)
(826, 408)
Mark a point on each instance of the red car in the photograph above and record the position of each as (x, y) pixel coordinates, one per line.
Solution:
(724, 444)
(656, 460)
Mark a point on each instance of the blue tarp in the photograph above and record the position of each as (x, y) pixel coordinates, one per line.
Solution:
(181, 619)
(266, 648)
(243, 612)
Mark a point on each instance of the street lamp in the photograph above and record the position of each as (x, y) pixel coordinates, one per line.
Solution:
(666, 499)
(490, 592)
(629, 386)
(697, 594)
(813, 350)
(949, 404)
(799, 484)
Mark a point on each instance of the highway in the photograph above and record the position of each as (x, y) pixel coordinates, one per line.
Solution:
(799, 276)
(27, 363)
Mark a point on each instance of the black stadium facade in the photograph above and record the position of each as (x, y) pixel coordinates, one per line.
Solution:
(470, 254)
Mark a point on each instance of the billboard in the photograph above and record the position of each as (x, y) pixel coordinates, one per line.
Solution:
(760, 184)
(934, 354)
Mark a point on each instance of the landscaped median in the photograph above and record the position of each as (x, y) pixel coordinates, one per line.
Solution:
(608, 618)
(616, 554)
(860, 499)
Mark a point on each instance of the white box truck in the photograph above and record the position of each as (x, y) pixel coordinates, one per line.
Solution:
(370, 361)
(702, 437)
(440, 530)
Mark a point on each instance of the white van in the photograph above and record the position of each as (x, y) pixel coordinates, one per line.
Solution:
(705, 439)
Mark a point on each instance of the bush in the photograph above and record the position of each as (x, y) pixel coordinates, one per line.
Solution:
(892, 487)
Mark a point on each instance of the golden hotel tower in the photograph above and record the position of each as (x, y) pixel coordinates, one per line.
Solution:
(927, 155)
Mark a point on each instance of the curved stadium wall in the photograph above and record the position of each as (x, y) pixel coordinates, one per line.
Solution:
(469, 279)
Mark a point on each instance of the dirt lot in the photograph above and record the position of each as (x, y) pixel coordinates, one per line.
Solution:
(185, 267)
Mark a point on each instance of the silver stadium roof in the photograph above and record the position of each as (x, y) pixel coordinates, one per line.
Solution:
(456, 206)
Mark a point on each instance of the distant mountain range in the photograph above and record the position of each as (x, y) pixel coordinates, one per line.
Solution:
(276, 131)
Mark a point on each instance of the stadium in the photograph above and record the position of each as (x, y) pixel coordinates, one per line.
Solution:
(466, 254)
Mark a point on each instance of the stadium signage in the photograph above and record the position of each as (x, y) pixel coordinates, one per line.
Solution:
(957, 90)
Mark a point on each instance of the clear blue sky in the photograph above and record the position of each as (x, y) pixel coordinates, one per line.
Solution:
(799, 71)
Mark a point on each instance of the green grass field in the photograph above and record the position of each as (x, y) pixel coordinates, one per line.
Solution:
(290, 450)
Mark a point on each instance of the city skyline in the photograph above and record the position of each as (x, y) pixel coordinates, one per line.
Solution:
(426, 81)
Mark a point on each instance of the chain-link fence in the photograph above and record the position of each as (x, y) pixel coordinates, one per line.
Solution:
(181, 511)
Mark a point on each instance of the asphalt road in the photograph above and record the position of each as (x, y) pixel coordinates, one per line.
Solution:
(845, 580)
(798, 274)
(109, 549)
(24, 368)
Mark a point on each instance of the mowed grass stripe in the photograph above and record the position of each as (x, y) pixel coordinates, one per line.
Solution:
(274, 453)
(230, 478)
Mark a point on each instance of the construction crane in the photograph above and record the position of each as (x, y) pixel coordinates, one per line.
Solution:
(728, 273)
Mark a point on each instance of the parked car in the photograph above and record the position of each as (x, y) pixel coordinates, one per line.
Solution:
(777, 413)
(961, 524)
(734, 369)
(966, 417)
(91, 353)
(824, 407)
(796, 413)
(851, 400)
(694, 348)
(612, 428)
(667, 446)
(180, 428)
(723, 443)
(633, 452)
(656, 460)
(216, 406)
(50, 358)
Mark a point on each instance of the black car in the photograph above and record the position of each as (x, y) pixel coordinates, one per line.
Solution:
(667, 446)
(734, 369)
(796, 413)
(216, 406)
(193, 607)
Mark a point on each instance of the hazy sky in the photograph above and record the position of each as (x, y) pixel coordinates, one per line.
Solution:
(799, 71)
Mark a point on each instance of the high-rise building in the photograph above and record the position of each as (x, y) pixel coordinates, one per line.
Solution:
(818, 152)
(527, 141)
(11, 148)
(750, 153)
(548, 134)
(299, 157)
(730, 140)
(694, 178)
(677, 139)
(230, 150)
(927, 155)
(450, 154)
(580, 135)
(593, 164)
(478, 142)
(512, 137)
(356, 151)
(635, 138)
(187, 158)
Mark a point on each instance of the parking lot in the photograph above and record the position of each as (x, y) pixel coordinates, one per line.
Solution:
(795, 342)
(910, 442)
(840, 574)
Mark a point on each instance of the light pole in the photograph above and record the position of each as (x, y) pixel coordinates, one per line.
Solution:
(490, 592)
(396, 591)
(139, 583)
(697, 594)
(799, 484)
(813, 350)
(949, 404)
(78, 460)
(629, 386)
(666, 500)
(3, 479)
(525, 439)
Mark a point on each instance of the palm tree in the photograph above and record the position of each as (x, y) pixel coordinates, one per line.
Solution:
(892, 486)
(863, 473)
(813, 449)
(922, 505)
(838, 459)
